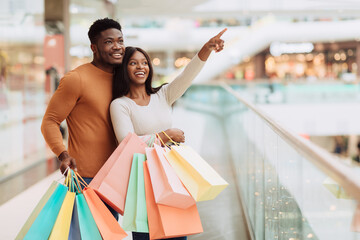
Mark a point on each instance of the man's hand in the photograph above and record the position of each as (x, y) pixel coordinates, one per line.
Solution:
(66, 162)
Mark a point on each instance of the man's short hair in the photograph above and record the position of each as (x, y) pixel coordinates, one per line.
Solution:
(101, 25)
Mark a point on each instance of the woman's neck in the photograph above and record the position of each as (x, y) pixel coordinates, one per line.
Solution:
(137, 92)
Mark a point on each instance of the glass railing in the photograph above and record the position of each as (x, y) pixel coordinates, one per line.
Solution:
(285, 181)
(299, 92)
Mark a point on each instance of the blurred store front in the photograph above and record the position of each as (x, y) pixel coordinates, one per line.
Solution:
(336, 61)
(22, 85)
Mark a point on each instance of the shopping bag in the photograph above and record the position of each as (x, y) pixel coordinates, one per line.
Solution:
(165, 221)
(87, 225)
(200, 179)
(113, 187)
(36, 211)
(43, 224)
(88, 228)
(101, 174)
(335, 189)
(74, 233)
(135, 215)
(62, 224)
(168, 189)
(108, 226)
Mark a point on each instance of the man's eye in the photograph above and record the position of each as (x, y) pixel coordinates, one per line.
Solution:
(108, 42)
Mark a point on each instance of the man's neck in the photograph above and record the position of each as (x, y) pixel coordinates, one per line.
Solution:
(108, 69)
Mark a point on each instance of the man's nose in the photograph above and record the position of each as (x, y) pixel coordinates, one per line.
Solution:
(117, 45)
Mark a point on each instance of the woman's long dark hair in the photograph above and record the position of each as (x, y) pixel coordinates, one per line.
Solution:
(121, 79)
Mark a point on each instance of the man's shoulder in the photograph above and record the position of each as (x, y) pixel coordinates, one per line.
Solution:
(82, 68)
(77, 72)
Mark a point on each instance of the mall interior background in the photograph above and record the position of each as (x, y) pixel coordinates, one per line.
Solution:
(298, 61)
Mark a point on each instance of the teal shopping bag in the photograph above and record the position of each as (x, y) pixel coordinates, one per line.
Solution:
(35, 213)
(43, 224)
(88, 228)
(82, 226)
(135, 214)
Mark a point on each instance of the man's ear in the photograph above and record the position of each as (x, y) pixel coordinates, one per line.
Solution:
(93, 48)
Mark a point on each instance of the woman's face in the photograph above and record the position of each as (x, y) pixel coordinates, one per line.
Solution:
(138, 68)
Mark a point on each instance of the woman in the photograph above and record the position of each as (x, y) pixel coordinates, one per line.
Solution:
(139, 108)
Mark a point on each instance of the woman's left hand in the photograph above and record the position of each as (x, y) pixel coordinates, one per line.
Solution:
(216, 43)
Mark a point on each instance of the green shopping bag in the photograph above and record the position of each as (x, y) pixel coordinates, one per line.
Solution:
(87, 224)
(36, 211)
(88, 228)
(43, 224)
(135, 213)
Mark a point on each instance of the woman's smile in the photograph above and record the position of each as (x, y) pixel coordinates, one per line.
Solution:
(138, 68)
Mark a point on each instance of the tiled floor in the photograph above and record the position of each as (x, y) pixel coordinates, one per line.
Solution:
(222, 217)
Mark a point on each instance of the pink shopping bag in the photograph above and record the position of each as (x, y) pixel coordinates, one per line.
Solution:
(168, 189)
(111, 182)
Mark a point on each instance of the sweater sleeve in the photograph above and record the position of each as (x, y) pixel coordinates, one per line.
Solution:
(181, 83)
(60, 106)
(120, 118)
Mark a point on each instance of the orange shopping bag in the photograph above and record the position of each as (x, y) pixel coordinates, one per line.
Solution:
(105, 221)
(165, 221)
(168, 189)
(114, 177)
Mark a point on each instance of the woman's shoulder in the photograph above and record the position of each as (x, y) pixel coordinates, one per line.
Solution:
(162, 90)
(120, 102)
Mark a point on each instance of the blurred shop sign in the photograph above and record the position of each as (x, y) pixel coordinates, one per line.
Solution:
(277, 48)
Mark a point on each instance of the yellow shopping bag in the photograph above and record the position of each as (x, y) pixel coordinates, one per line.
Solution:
(200, 179)
(62, 225)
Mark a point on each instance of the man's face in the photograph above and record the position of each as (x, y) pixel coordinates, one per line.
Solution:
(109, 48)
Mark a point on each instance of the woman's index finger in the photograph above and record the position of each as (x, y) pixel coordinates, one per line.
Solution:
(221, 33)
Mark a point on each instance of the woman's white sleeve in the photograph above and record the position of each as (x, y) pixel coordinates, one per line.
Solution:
(181, 83)
(120, 118)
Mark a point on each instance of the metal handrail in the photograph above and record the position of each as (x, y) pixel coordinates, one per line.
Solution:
(321, 158)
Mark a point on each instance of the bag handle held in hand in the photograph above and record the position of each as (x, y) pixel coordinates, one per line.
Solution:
(165, 145)
(176, 144)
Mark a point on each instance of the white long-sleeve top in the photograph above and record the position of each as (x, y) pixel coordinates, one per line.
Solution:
(127, 116)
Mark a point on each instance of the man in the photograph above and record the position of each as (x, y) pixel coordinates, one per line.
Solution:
(83, 99)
